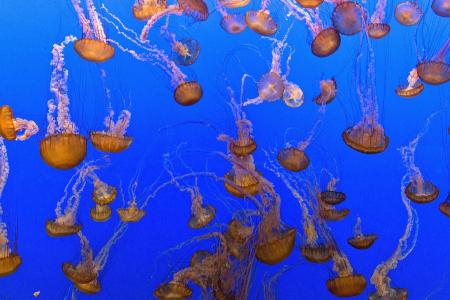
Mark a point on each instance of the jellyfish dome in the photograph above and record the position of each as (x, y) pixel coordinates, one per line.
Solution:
(332, 197)
(207, 214)
(444, 207)
(406, 91)
(441, 8)
(424, 192)
(103, 194)
(362, 241)
(270, 87)
(326, 42)
(293, 159)
(64, 150)
(261, 22)
(309, 3)
(233, 23)
(366, 138)
(317, 253)
(90, 288)
(276, 249)
(93, 50)
(108, 142)
(172, 290)
(378, 30)
(100, 213)
(145, 9)
(328, 90)
(56, 229)
(408, 13)
(332, 214)
(243, 147)
(243, 183)
(433, 72)
(347, 286)
(131, 213)
(7, 128)
(393, 294)
(234, 3)
(78, 273)
(185, 51)
(196, 9)
(188, 93)
(348, 18)
(9, 264)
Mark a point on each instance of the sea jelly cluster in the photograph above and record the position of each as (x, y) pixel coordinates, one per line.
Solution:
(254, 233)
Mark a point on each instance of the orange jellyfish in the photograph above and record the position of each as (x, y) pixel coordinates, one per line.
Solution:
(241, 181)
(360, 240)
(328, 211)
(413, 88)
(233, 3)
(131, 213)
(435, 71)
(328, 91)
(418, 189)
(260, 21)
(408, 13)
(93, 46)
(330, 195)
(10, 126)
(231, 23)
(444, 207)
(441, 8)
(103, 196)
(348, 17)
(63, 147)
(65, 222)
(378, 28)
(237, 236)
(309, 3)
(10, 260)
(145, 9)
(346, 283)
(113, 140)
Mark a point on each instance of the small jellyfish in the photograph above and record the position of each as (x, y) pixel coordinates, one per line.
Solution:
(328, 91)
(392, 294)
(195, 9)
(10, 126)
(441, 8)
(348, 17)
(100, 213)
(103, 193)
(413, 88)
(10, 260)
(293, 159)
(330, 213)
(326, 42)
(201, 215)
(270, 87)
(113, 140)
(330, 196)
(145, 9)
(188, 93)
(360, 240)
(435, 71)
(261, 22)
(173, 290)
(313, 249)
(234, 3)
(408, 13)
(377, 27)
(444, 207)
(309, 3)
(233, 23)
(293, 95)
(131, 213)
(185, 51)
(317, 253)
(240, 181)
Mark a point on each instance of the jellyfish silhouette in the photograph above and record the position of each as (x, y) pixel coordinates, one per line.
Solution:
(408, 13)
(377, 27)
(145, 9)
(360, 240)
(93, 46)
(330, 195)
(63, 147)
(444, 207)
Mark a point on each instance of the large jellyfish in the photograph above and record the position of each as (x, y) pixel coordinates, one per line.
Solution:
(65, 221)
(408, 13)
(113, 140)
(260, 21)
(441, 8)
(378, 28)
(145, 9)
(436, 70)
(10, 126)
(63, 147)
(348, 17)
(93, 46)
(185, 92)
(360, 240)
(418, 189)
(328, 90)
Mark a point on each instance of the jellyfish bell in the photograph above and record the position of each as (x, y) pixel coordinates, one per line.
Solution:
(365, 138)
(326, 42)
(208, 213)
(433, 72)
(100, 213)
(408, 13)
(409, 92)
(332, 197)
(317, 253)
(328, 90)
(63, 150)
(195, 9)
(145, 9)
(427, 193)
(243, 147)
(441, 8)
(348, 17)
(270, 87)
(234, 3)
(78, 273)
(364, 241)
(7, 128)
(242, 183)
(172, 290)
(103, 194)
(347, 286)
(293, 159)
(393, 294)
(309, 3)
(233, 23)
(277, 248)
(131, 213)
(188, 93)
(108, 142)
(185, 51)
(378, 30)
(293, 95)
(56, 229)
(9, 264)
(444, 207)
(239, 231)
(261, 22)
(198, 257)
(93, 50)
(90, 288)
(333, 214)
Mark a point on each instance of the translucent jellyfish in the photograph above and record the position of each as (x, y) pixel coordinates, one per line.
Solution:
(328, 91)
(348, 17)
(93, 46)
(65, 222)
(63, 147)
(418, 189)
(441, 7)
(233, 3)
(10, 260)
(145, 9)
(293, 95)
(131, 213)
(378, 28)
(237, 236)
(231, 23)
(173, 290)
(408, 13)
(241, 181)
(10, 126)
(261, 22)
(346, 283)
(309, 3)
(360, 240)
(185, 51)
(413, 88)
(103, 193)
(435, 71)
(100, 213)
(196, 9)
(325, 42)
(330, 213)
(444, 207)
(113, 140)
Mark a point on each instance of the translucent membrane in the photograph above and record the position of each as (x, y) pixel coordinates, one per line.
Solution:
(148, 9)
(130, 214)
(408, 13)
(378, 30)
(405, 92)
(59, 230)
(270, 87)
(244, 181)
(429, 193)
(348, 18)
(441, 7)
(196, 9)
(206, 216)
(233, 23)
(245, 149)
(101, 213)
(261, 22)
(433, 72)
(368, 140)
(7, 129)
(186, 53)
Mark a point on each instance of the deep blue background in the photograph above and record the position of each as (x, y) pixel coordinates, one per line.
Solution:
(372, 183)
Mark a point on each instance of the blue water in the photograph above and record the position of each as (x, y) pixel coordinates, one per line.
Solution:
(138, 262)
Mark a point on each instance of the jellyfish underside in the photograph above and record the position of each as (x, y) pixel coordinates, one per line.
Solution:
(408, 13)
(347, 286)
(433, 72)
(428, 193)
(233, 23)
(185, 51)
(147, 9)
(276, 249)
(317, 253)
(378, 30)
(333, 214)
(55, 229)
(441, 8)
(409, 92)
(332, 197)
(293, 95)
(196, 9)
(444, 207)
(130, 214)
(243, 147)
(188, 93)
(100, 213)
(79, 273)
(9, 264)
(293, 159)
(327, 92)
(364, 241)
(93, 50)
(309, 3)
(243, 183)
(92, 287)
(366, 139)
(172, 291)
(348, 18)
(7, 128)
(110, 143)
(393, 294)
(270, 87)
(261, 22)
(204, 218)
(326, 42)
(103, 194)
(64, 150)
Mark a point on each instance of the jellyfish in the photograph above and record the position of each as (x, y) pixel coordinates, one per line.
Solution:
(10, 126)
(10, 260)
(63, 147)
(413, 88)
(348, 17)
(309, 3)
(405, 246)
(113, 140)
(346, 283)
(231, 23)
(330, 195)
(408, 13)
(237, 237)
(328, 91)
(260, 21)
(185, 51)
(131, 213)
(241, 180)
(65, 221)
(360, 240)
(185, 92)
(378, 28)
(441, 8)
(330, 213)
(233, 3)
(444, 207)
(103, 195)
(145, 9)
(327, 201)
(93, 46)
(418, 189)
(435, 71)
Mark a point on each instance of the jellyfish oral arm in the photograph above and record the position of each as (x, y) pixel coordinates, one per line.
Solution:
(379, 15)
(96, 23)
(29, 127)
(170, 10)
(84, 22)
(4, 166)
